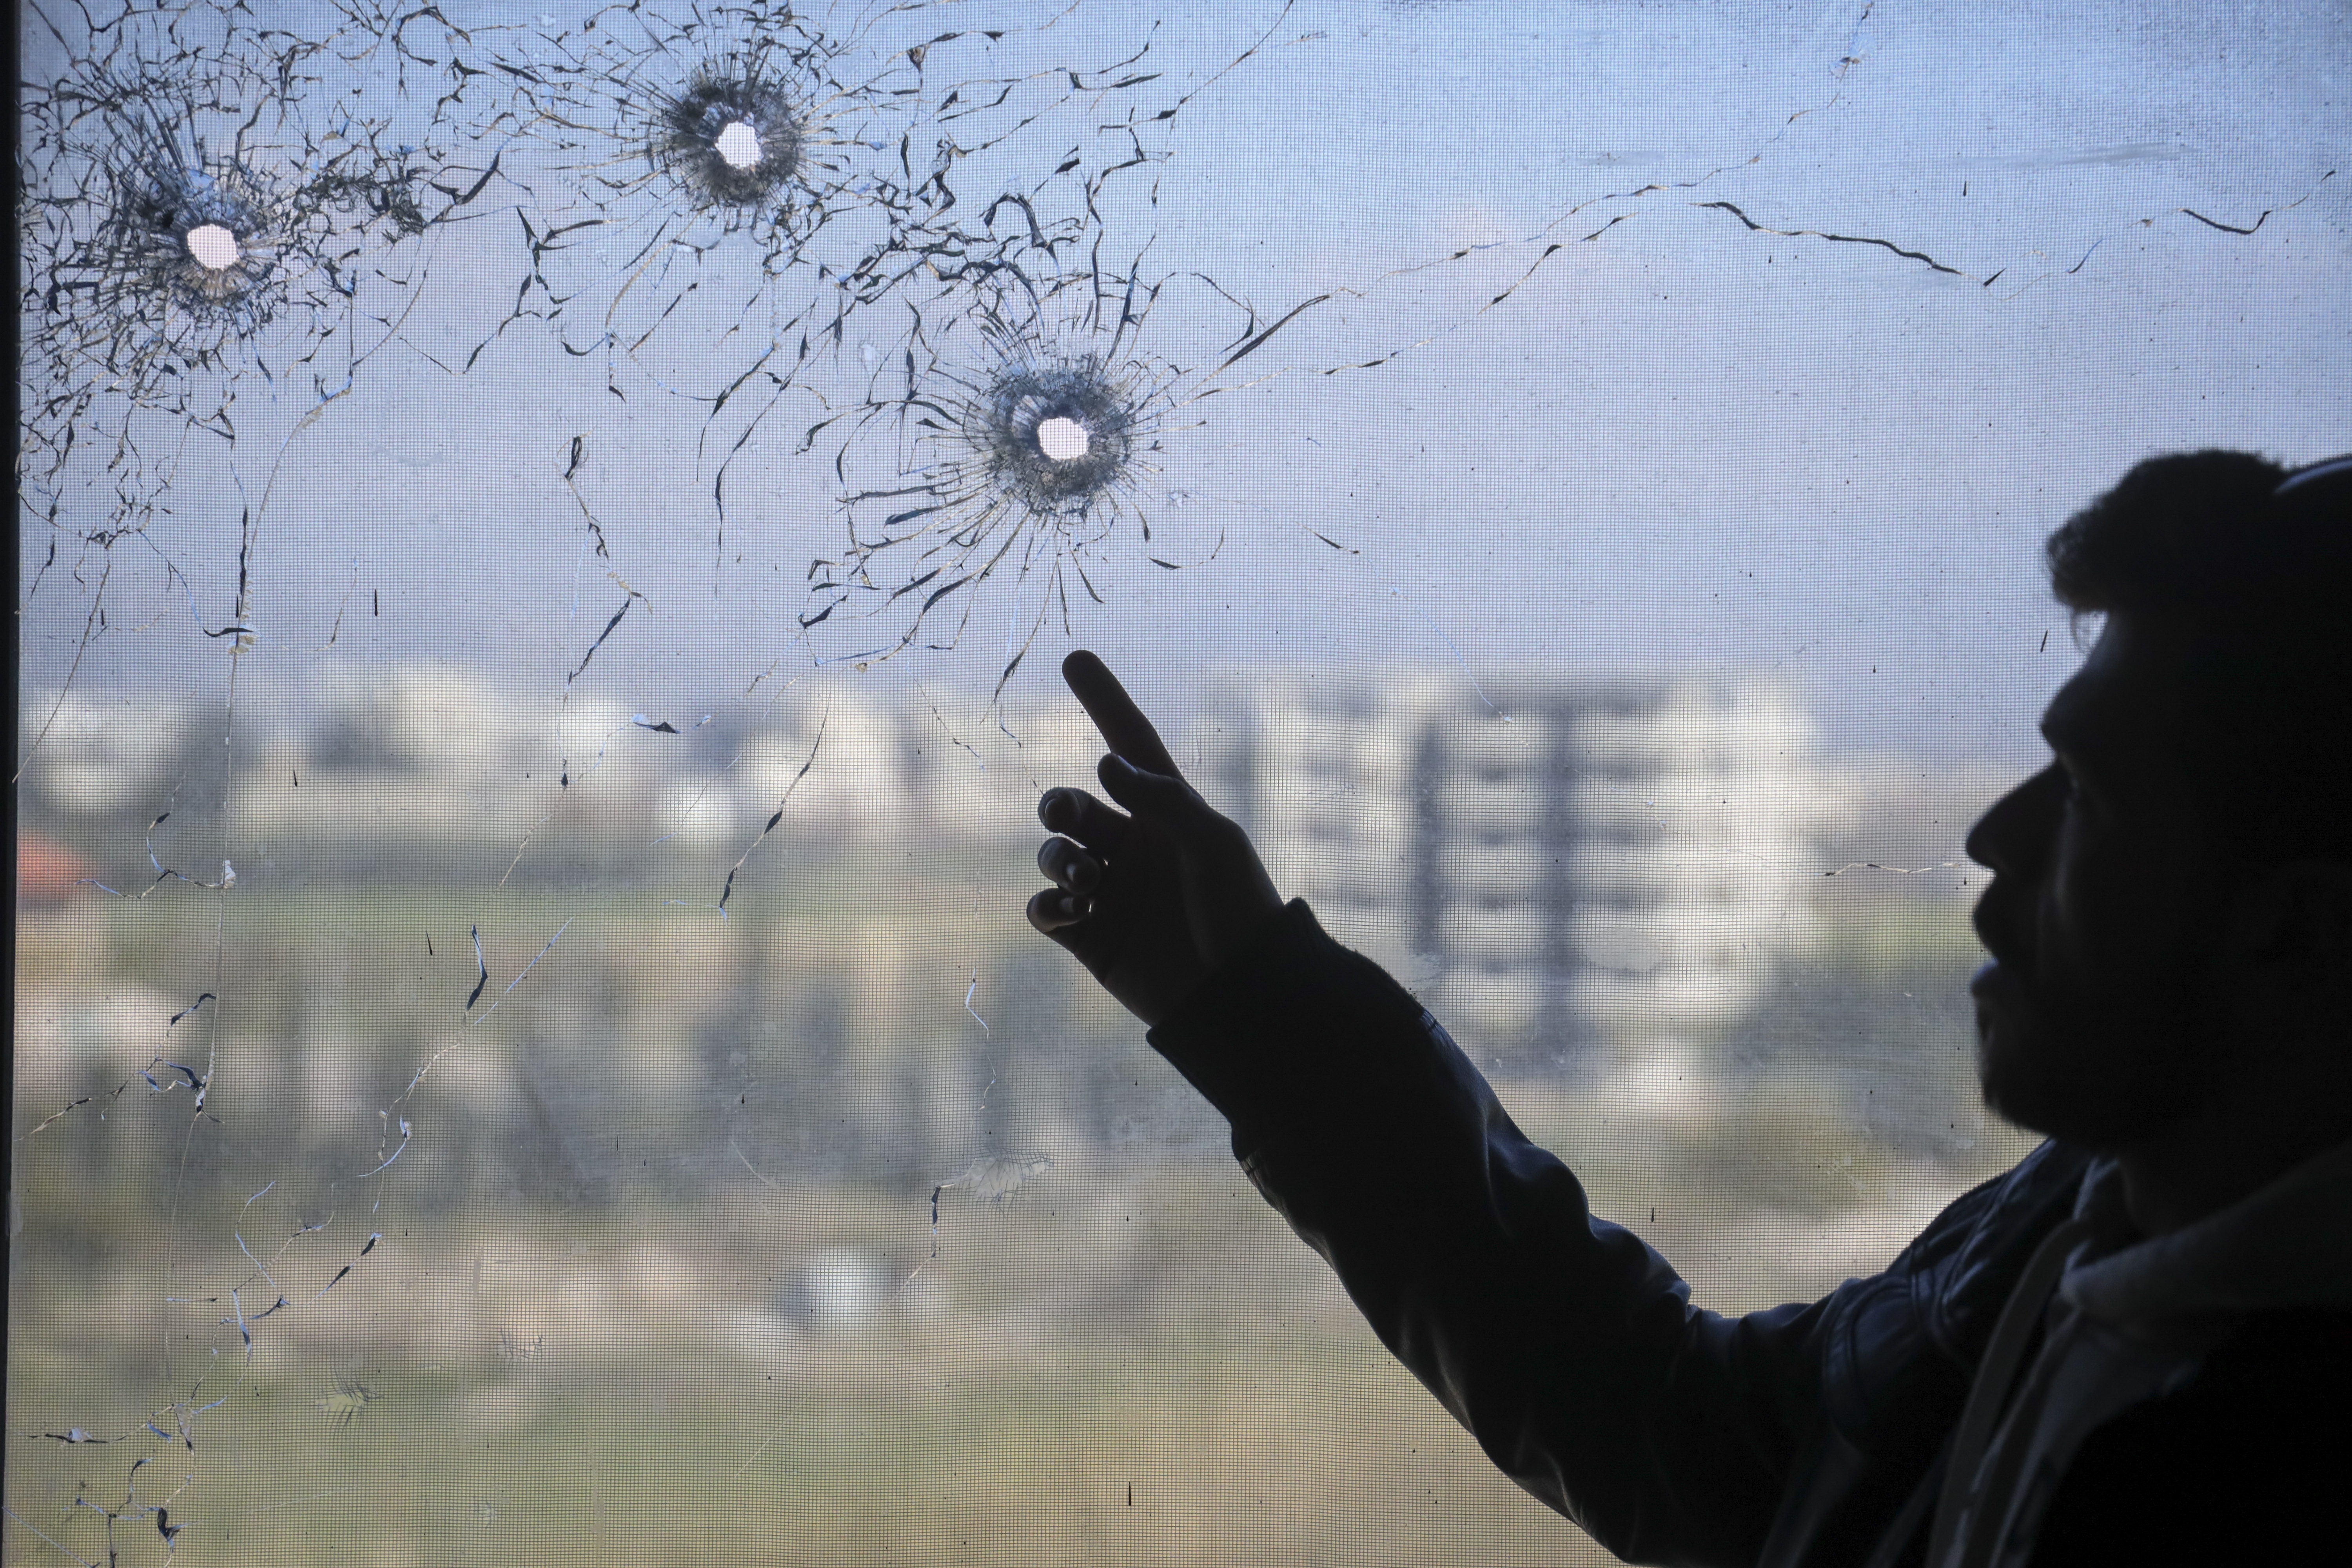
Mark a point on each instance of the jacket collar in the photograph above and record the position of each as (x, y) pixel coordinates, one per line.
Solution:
(2286, 1244)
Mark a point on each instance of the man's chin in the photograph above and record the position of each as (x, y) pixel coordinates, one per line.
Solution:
(2020, 1058)
(2049, 1077)
(2003, 1024)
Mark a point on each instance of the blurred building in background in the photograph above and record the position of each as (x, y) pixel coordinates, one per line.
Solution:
(1577, 846)
(1578, 868)
(1572, 858)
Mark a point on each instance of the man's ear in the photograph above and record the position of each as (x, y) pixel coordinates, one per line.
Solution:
(2291, 924)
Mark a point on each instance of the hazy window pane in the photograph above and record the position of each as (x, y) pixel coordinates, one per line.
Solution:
(545, 549)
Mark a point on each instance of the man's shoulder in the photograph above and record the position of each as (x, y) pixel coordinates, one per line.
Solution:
(1961, 1269)
(1904, 1342)
(1957, 1274)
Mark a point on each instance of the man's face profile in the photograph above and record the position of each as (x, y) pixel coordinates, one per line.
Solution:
(2096, 1017)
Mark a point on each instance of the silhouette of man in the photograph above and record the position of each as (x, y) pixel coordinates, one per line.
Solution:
(2134, 1347)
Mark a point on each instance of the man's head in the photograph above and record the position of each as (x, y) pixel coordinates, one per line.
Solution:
(2171, 910)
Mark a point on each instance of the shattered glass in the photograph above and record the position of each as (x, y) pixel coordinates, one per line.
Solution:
(545, 538)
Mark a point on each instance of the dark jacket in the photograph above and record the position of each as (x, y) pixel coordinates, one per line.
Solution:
(1570, 1351)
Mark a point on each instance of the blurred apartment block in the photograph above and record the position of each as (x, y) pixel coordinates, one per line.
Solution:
(1610, 850)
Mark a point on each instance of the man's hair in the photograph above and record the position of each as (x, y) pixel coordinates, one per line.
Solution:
(2254, 564)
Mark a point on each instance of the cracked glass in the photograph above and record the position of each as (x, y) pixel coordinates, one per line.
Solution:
(544, 542)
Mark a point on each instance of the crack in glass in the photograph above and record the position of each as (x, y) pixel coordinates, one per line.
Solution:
(436, 1104)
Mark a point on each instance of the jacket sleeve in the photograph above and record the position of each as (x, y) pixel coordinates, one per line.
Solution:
(1565, 1344)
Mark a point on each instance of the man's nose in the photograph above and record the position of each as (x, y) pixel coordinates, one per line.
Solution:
(2013, 833)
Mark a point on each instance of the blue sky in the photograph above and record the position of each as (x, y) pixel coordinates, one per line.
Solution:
(1684, 442)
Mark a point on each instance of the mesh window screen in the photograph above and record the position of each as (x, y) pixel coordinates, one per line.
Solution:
(545, 544)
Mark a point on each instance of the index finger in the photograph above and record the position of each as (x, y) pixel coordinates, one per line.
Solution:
(1124, 728)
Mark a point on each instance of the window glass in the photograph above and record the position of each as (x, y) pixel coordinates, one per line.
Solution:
(546, 539)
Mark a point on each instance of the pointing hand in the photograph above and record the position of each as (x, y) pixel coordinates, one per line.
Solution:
(1155, 901)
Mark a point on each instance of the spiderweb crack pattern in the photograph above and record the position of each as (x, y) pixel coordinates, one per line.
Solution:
(1027, 424)
(715, 189)
(199, 218)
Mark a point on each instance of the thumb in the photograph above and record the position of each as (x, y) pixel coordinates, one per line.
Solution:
(1161, 797)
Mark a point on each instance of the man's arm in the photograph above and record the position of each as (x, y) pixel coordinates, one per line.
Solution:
(1565, 1344)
